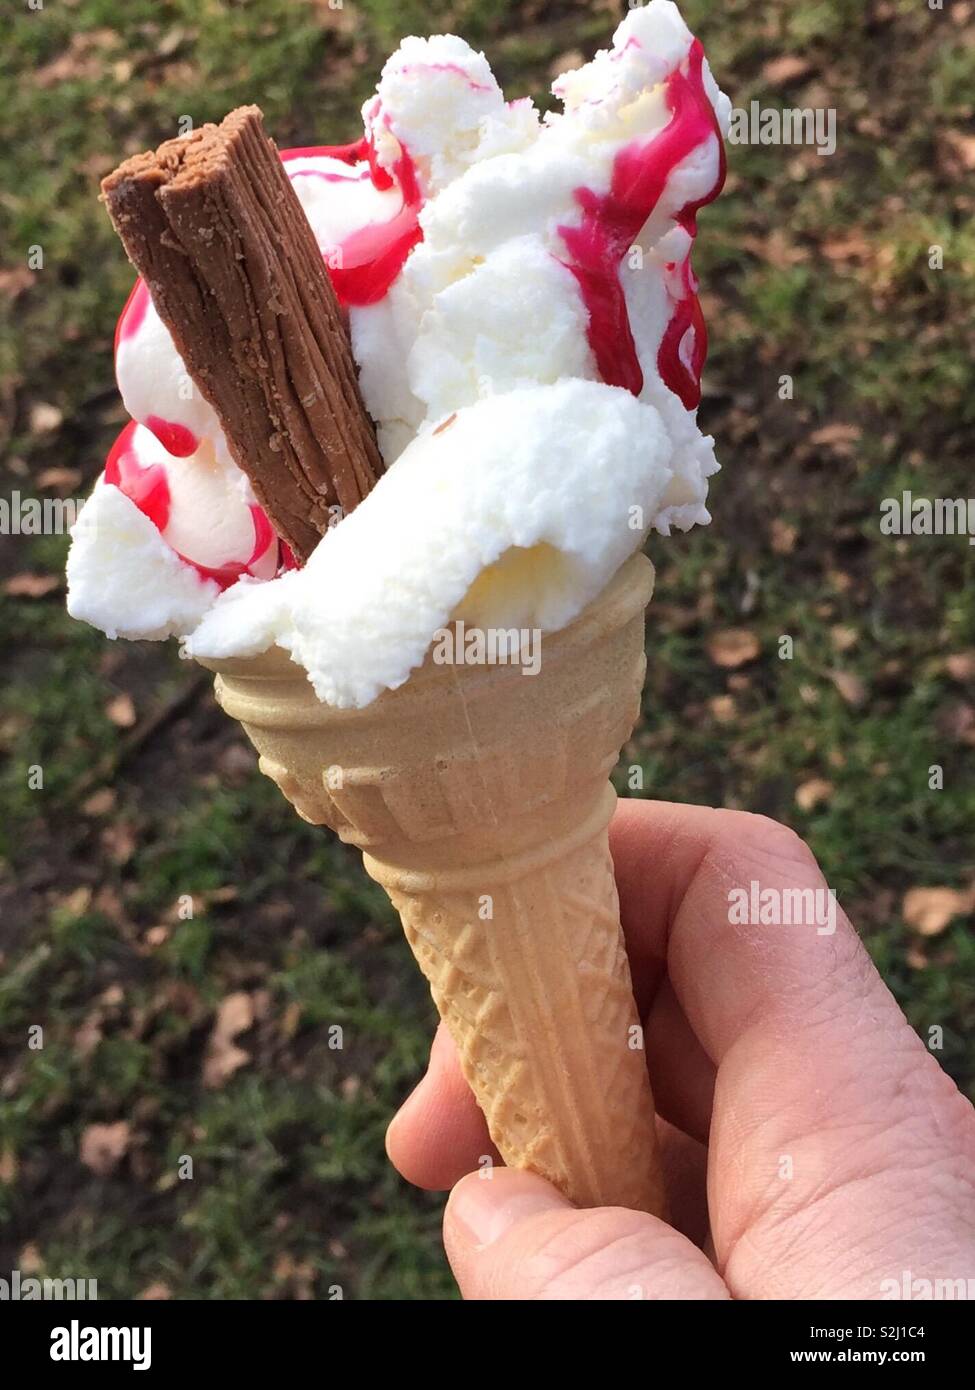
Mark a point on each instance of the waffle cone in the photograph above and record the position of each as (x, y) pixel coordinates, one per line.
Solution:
(480, 799)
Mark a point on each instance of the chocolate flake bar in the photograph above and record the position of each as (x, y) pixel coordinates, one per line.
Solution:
(212, 224)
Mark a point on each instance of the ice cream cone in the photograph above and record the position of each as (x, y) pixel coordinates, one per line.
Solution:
(480, 798)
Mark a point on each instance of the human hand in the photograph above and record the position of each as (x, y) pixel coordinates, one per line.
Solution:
(813, 1147)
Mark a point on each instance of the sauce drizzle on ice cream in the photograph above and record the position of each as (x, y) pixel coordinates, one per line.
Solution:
(147, 485)
(365, 263)
(134, 311)
(611, 223)
(176, 439)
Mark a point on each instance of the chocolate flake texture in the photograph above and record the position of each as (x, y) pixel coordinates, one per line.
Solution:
(212, 224)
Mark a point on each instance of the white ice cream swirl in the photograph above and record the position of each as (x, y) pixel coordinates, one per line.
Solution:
(524, 318)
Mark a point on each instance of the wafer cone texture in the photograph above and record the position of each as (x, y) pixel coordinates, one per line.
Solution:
(480, 799)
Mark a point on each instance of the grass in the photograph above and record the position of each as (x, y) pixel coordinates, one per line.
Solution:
(136, 900)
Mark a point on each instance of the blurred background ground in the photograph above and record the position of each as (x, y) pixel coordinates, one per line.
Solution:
(209, 1036)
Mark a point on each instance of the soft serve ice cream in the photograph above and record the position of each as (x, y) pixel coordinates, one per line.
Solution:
(524, 318)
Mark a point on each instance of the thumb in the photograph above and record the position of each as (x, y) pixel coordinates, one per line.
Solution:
(513, 1236)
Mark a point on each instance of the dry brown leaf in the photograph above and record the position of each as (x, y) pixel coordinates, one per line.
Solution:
(226, 893)
(300, 1274)
(723, 709)
(928, 911)
(843, 637)
(14, 282)
(961, 145)
(121, 711)
(813, 793)
(89, 1034)
(99, 803)
(81, 58)
(568, 61)
(59, 477)
(783, 536)
(958, 722)
(109, 903)
(235, 1014)
(851, 687)
(77, 902)
(221, 1064)
(838, 437)
(104, 1146)
(119, 841)
(961, 666)
(778, 72)
(672, 618)
(45, 418)
(854, 247)
(732, 647)
(154, 1293)
(775, 249)
(31, 585)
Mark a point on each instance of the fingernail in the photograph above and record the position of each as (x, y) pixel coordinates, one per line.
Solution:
(486, 1208)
